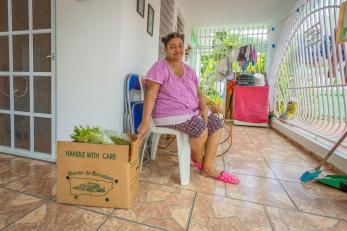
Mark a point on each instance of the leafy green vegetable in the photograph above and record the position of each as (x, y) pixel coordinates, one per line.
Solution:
(119, 138)
(92, 135)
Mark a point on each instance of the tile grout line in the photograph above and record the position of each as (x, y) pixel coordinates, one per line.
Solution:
(320, 215)
(276, 176)
(30, 211)
(264, 177)
(9, 182)
(45, 201)
(191, 212)
(269, 218)
(176, 187)
(279, 181)
(257, 203)
(28, 194)
(107, 218)
(52, 200)
(136, 222)
(284, 188)
(228, 197)
(88, 209)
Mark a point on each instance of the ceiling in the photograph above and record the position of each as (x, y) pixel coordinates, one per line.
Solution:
(205, 13)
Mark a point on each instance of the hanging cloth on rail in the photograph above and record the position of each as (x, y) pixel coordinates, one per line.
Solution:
(247, 54)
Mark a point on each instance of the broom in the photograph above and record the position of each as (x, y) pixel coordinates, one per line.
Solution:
(311, 174)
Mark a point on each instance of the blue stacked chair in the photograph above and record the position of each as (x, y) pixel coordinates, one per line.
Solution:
(133, 105)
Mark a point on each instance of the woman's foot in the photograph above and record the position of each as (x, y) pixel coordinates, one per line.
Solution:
(223, 176)
(197, 164)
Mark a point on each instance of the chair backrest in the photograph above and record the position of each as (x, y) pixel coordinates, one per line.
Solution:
(134, 96)
(134, 82)
(136, 110)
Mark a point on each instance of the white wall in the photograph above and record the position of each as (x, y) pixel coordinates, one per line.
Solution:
(138, 49)
(180, 7)
(88, 38)
(98, 43)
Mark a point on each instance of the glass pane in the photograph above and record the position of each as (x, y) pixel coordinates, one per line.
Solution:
(21, 93)
(4, 64)
(22, 132)
(4, 93)
(42, 14)
(21, 53)
(20, 16)
(42, 95)
(42, 135)
(5, 131)
(42, 52)
(3, 16)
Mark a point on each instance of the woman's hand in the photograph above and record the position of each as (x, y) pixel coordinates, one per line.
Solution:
(142, 129)
(204, 115)
(202, 105)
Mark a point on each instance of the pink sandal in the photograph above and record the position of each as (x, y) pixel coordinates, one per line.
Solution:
(228, 178)
(196, 164)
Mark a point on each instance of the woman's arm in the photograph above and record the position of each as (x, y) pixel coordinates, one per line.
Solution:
(202, 105)
(151, 92)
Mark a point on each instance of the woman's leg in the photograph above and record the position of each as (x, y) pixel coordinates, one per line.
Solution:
(210, 154)
(197, 146)
(196, 129)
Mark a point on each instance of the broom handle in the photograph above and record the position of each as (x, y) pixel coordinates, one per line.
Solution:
(332, 151)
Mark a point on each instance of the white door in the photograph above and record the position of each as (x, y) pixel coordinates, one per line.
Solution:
(27, 83)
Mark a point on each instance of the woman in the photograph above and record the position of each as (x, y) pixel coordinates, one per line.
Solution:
(174, 100)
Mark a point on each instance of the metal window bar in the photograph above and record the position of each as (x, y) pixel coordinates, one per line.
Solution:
(313, 75)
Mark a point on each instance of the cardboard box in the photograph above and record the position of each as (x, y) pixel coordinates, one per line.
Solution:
(98, 174)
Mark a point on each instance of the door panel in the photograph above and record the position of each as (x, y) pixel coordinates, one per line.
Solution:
(4, 93)
(5, 131)
(20, 18)
(3, 16)
(42, 135)
(4, 60)
(42, 52)
(21, 53)
(41, 14)
(27, 81)
(21, 93)
(22, 132)
(42, 95)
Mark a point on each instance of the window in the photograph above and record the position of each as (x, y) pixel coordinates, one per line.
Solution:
(180, 26)
(166, 22)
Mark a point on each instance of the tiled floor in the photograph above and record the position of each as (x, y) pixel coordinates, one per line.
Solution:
(269, 196)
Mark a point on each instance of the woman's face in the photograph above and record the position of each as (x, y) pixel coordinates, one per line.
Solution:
(175, 49)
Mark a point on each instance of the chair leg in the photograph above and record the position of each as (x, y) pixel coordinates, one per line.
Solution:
(184, 158)
(154, 146)
(143, 151)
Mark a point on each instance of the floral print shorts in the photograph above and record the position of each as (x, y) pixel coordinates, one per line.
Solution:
(196, 125)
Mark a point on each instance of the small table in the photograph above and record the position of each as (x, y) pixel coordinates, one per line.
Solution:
(251, 105)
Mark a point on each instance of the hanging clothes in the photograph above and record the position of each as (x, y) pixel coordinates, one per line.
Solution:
(223, 69)
(233, 56)
(247, 54)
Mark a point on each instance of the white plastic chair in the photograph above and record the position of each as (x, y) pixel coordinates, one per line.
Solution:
(183, 148)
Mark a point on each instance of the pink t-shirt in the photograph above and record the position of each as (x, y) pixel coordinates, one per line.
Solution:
(177, 99)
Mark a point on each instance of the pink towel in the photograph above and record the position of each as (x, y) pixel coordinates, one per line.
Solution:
(251, 104)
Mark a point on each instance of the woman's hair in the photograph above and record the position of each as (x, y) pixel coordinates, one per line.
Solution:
(170, 36)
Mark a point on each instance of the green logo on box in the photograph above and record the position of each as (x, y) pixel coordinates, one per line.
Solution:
(87, 186)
